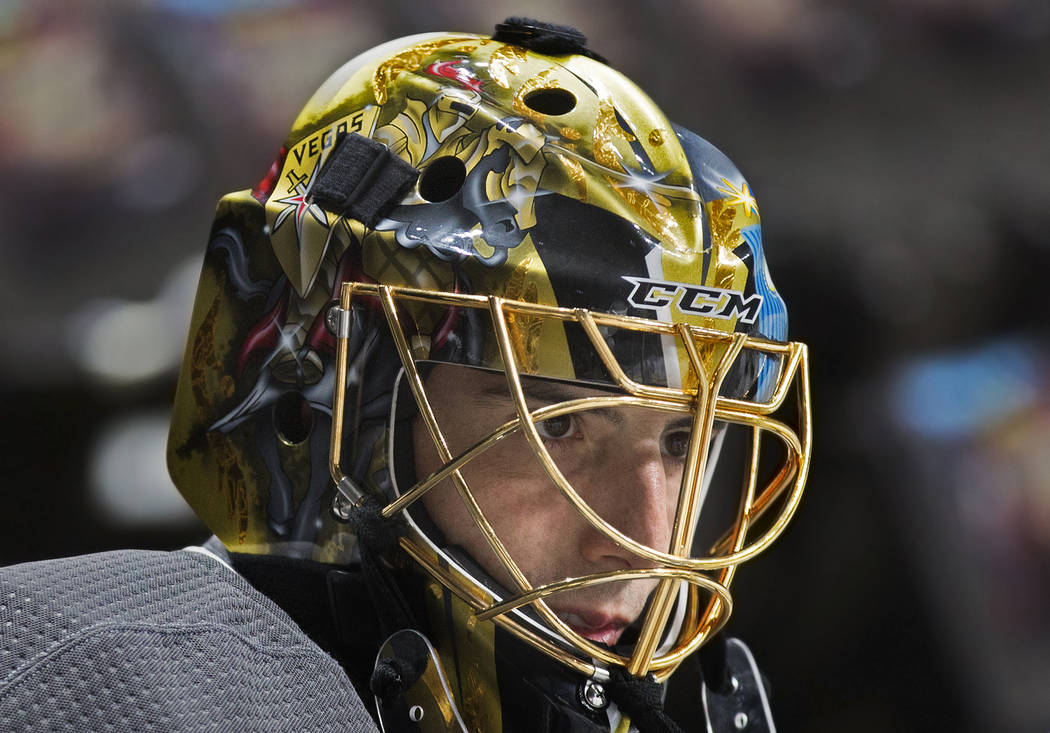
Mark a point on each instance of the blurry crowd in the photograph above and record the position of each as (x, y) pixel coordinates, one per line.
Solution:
(899, 153)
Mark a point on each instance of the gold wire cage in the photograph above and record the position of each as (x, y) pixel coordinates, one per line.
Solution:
(704, 614)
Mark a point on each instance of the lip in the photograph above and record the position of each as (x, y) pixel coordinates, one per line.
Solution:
(593, 625)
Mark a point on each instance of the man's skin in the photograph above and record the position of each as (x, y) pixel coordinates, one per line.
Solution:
(626, 463)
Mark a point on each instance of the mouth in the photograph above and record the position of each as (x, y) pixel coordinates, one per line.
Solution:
(597, 627)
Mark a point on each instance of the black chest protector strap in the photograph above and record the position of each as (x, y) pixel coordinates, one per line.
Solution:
(347, 611)
(327, 602)
(376, 540)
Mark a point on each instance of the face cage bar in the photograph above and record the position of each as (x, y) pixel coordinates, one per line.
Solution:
(675, 566)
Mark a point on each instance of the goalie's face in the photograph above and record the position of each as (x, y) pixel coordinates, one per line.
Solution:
(626, 463)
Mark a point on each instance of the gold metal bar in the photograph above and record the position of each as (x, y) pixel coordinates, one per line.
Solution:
(750, 419)
(748, 499)
(753, 342)
(652, 628)
(506, 349)
(739, 533)
(445, 455)
(784, 383)
(672, 659)
(689, 508)
(549, 465)
(510, 625)
(692, 613)
(472, 599)
(416, 294)
(699, 443)
(518, 395)
(793, 370)
(611, 364)
(335, 447)
(552, 469)
(787, 473)
(507, 428)
(688, 505)
(598, 579)
(696, 457)
(561, 313)
(804, 443)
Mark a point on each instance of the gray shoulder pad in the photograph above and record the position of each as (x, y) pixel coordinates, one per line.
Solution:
(162, 641)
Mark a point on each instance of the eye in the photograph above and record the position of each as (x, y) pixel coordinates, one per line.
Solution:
(676, 444)
(556, 427)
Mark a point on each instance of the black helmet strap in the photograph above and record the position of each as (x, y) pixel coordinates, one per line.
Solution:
(547, 38)
(362, 179)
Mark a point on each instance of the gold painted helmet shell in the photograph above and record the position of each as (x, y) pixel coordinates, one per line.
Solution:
(556, 194)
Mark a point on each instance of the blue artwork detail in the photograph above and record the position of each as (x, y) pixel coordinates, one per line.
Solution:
(773, 318)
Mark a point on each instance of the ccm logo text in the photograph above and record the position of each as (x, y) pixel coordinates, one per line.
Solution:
(694, 299)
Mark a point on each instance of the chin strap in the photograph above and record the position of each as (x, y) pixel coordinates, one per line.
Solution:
(377, 539)
(402, 664)
(642, 698)
(375, 532)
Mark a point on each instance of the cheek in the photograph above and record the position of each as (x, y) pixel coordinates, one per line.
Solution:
(508, 486)
(519, 501)
(448, 512)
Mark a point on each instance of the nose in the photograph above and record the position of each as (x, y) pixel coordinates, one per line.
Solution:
(628, 487)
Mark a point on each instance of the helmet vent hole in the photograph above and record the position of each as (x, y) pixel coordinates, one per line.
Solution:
(550, 101)
(293, 417)
(442, 179)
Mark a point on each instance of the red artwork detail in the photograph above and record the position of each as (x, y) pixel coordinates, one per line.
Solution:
(464, 75)
(448, 323)
(264, 188)
(320, 339)
(264, 335)
(350, 269)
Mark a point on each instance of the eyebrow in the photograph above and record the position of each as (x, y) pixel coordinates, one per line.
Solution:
(553, 392)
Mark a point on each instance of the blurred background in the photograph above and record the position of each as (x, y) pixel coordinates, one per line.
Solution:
(899, 151)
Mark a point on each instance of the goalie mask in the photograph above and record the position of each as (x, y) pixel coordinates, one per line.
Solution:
(497, 297)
